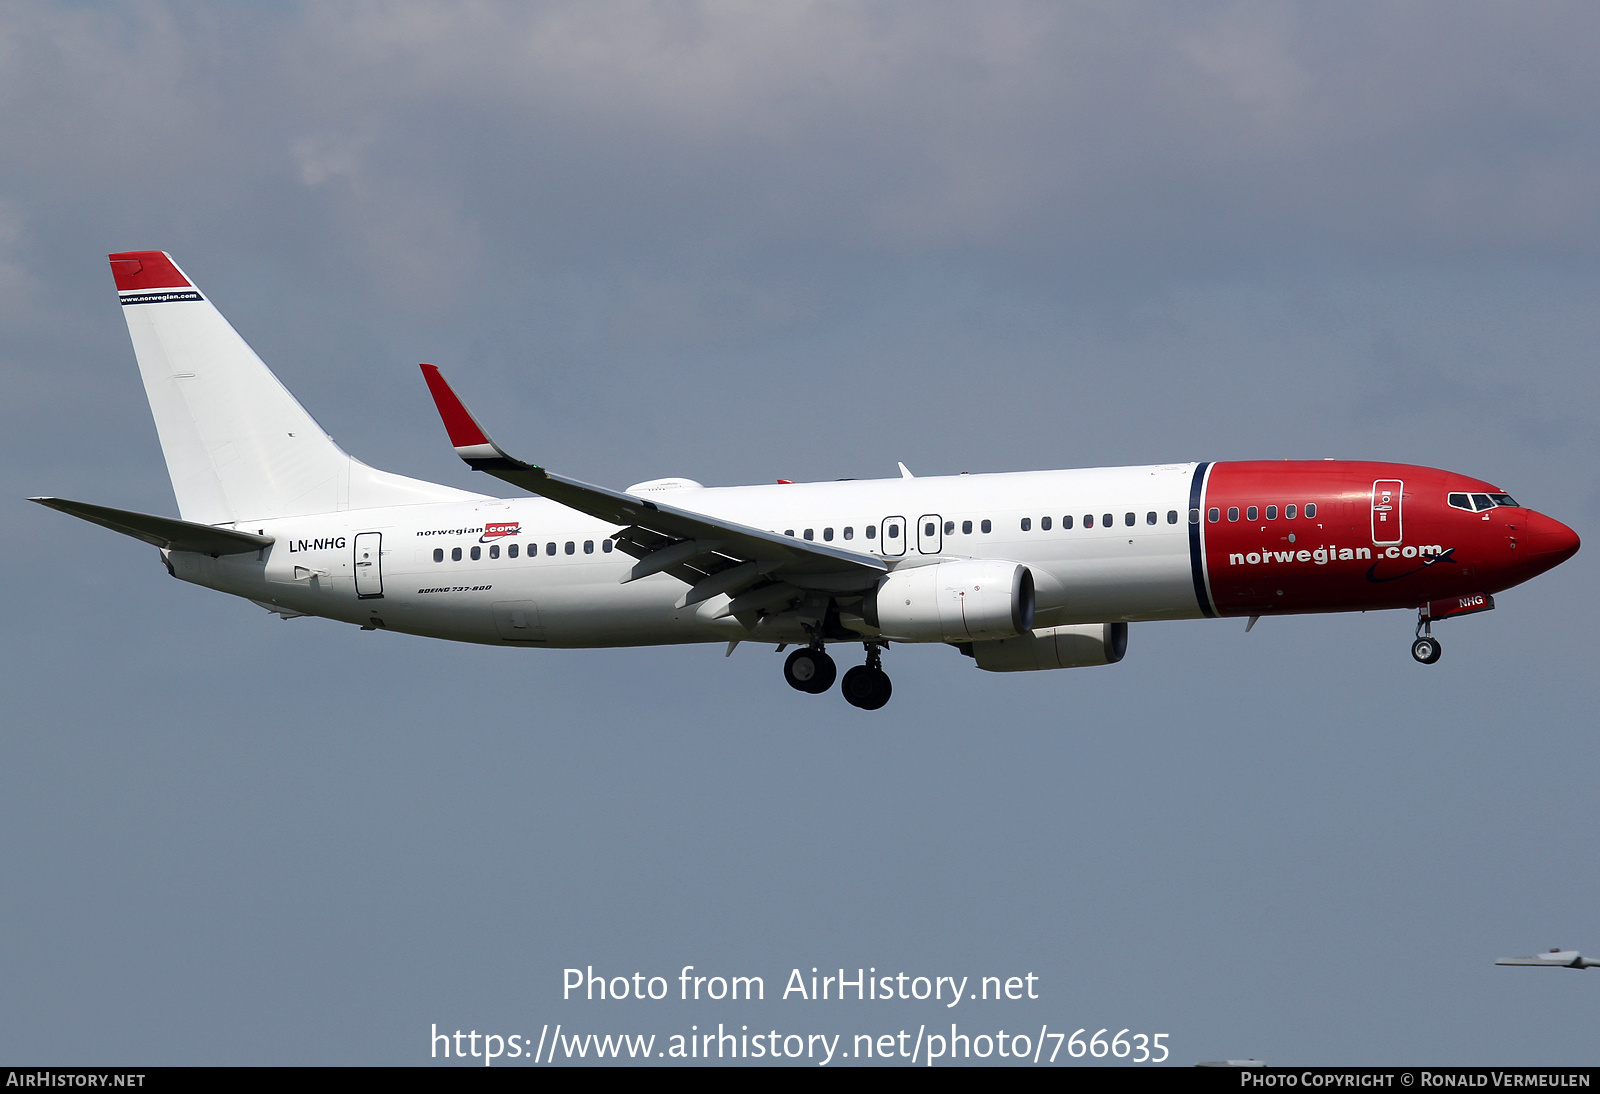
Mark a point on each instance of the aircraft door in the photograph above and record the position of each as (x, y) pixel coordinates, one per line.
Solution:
(1386, 495)
(930, 540)
(892, 536)
(369, 566)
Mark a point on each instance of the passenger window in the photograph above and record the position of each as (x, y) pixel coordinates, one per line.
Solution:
(1272, 512)
(1044, 524)
(1214, 515)
(788, 532)
(511, 551)
(549, 548)
(438, 554)
(588, 546)
(1128, 519)
(1233, 512)
(849, 532)
(1311, 509)
(1066, 522)
(827, 535)
(986, 527)
(1107, 521)
(477, 553)
(605, 545)
(966, 527)
(809, 533)
(1150, 517)
(1088, 520)
(1172, 516)
(872, 531)
(572, 548)
(1027, 523)
(455, 554)
(1252, 513)
(1288, 512)
(494, 552)
(949, 526)
(894, 531)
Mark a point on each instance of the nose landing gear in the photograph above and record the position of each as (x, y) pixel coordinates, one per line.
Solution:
(867, 686)
(1426, 648)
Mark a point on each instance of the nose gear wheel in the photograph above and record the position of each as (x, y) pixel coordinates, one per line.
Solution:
(1426, 649)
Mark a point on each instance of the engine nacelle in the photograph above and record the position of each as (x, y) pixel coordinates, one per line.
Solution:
(969, 601)
(1055, 648)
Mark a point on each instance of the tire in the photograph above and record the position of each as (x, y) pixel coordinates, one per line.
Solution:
(884, 690)
(866, 688)
(825, 677)
(859, 687)
(810, 671)
(1426, 650)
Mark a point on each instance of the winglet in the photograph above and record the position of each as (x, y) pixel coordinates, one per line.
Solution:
(470, 440)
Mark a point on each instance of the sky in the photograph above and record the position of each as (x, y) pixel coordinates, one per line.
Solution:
(740, 242)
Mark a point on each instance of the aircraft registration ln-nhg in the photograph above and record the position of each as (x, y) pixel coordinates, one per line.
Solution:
(1021, 571)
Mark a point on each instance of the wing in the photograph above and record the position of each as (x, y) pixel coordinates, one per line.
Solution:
(761, 569)
(1561, 959)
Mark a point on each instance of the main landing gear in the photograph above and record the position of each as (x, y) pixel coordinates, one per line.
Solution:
(1426, 648)
(810, 669)
(865, 686)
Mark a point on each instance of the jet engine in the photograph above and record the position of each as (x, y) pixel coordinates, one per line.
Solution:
(1054, 648)
(953, 602)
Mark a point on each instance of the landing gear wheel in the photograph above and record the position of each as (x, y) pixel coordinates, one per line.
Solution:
(866, 687)
(810, 670)
(1426, 649)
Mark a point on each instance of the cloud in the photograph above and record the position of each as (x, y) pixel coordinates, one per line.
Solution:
(1028, 136)
(578, 182)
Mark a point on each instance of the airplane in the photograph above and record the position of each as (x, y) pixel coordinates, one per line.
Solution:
(1557, 958)
(1020, 571)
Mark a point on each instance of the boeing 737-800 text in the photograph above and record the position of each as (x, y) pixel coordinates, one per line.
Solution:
(1030, 570)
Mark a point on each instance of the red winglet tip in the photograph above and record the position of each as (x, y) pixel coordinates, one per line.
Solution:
(458, 421)
(136, 270)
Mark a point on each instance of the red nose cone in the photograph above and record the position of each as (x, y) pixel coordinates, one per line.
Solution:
(1550, 541)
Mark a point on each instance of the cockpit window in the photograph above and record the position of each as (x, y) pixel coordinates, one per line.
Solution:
(1478, 503)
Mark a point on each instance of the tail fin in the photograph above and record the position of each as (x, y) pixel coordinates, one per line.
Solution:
(237, 444)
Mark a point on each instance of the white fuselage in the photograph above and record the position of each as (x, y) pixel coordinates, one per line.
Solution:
(575, 597)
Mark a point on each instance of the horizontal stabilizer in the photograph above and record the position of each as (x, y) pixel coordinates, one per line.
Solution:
(164, 532)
